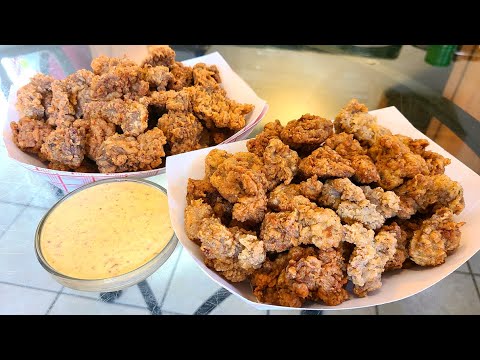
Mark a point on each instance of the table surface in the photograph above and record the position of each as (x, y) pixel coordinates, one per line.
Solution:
(293, 80)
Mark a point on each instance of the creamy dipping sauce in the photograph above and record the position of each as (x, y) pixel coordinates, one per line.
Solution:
(106, 230)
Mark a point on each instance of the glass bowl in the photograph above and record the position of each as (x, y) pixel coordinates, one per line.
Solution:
(114, 283)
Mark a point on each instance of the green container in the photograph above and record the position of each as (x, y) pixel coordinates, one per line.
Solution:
(440, 55)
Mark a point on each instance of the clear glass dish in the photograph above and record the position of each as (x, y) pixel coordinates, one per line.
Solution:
(113, 283)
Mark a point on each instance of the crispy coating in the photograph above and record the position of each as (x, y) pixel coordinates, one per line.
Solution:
(325, 162)
(132, 116)
(70, 97)
(158, 77)
(202, 189)
(387, 202)
(182, 130)
(437, 237)
(97, 132)
(234, 253)
(65, 146)
(354, 119)
(162, 55)
(335, 191)
(310, 131)
(423, 192)
(280, 163)
(395, 161)
(259, 143)
(30, 134)
(182, 76)
(220, 135)
(369, 257)
(311, 188)
(305, 224)
(363, 212)
(215, 109)
(196, 211)
(103, 64)
(282, 198)
(213, 159)
(349, 148)
(240, 180)
(34, 98)
(120, 153)
(299, 275)
(206, 76)
(401, 252)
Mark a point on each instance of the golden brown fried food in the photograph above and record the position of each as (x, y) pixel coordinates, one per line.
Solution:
(103, 64)
(280, 231)
(206, 76)
(270, 131)
(354, 119)
(334, 191)
(349, 148)
(162, 55)
(195, 213)
(220, 135)
(309, 131)
(423, 192)
(215, 109)
(29, 134)
(280, 163)
(121, 153)
(132, 116)
(213, 159)
(325, 162)
(240, 180)
(282, 197)
(234, 253)
(437, 237)
(97, 132)
(182, 130)
(182, 76)
(70, 97)
(369, 257)
(387, 202)
(158, 77)
(34, 98)
(395, 161)
(299, 275)
(65, 146)
(202, 189)
(401, 252)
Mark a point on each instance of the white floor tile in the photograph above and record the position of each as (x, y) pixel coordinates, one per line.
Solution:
(72, 305)
(475, 263)
(9, 213)
(27, 222)
(46, 197)
(454, 295)
(235, 306)
(24, 301)
(158, 281)
(129, 296)
(362, 311)
(18, 193)
(189, 287)
(285, 312)
(18, 262)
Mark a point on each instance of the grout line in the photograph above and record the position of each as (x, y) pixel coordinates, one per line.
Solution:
(15, 218)
(103, 302)
(474, 281)
(170, 280)
(377, 312)
(28, 287)
(149, 298)
(463, 272)
(23, 204)
(54, 301)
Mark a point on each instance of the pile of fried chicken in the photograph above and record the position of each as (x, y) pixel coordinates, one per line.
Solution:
(123, 116)
(318, 207)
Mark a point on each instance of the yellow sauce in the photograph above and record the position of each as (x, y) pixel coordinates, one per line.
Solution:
(106, 230)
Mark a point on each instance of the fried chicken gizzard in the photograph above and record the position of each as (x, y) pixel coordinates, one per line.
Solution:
(104, 115)
(307, 210)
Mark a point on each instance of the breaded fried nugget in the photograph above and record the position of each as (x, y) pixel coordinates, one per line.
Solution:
(65, 146)
(206, 76)
(97, 132)
(120, 153)
(182, 130)
(182, 76)
(437, 237)
(258, 144)
(162, 55)
(280, 163)
(213, 159)
(349, 148)
(196, 211)
(157, 76)
(30, 134)
(325, 162)
(401, 252)
(103, 64)
(34, 98)
(309, 131)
